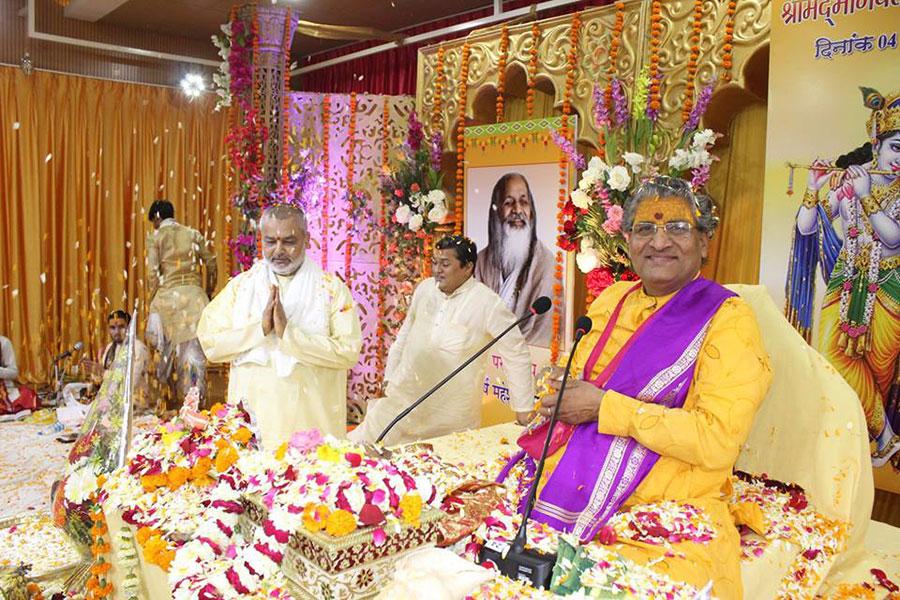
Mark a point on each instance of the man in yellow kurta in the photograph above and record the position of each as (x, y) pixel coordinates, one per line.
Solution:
(689, 355)
(290, 332)
(176, 256)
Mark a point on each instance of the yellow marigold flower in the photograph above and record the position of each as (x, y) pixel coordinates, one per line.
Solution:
(340, 523)
(328, 454)
(216, 408)
(411, 509)
(201, 468)
(314, 517)
(226, 457)
(242, 435)
(282, 450)
(176, 477)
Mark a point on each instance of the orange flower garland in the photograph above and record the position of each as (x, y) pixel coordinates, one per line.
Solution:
(382, 227)
(326, 168)
(229, 231)
(532, 69)
(229, 177)
(351, 160)
(653, 94)
(727, 46)
(254, 28)
(98, 585)
(614, 43)
(285, 106)
(460, 138)
(501, 70)
(438, 90)
(697, 26)
(571, 70)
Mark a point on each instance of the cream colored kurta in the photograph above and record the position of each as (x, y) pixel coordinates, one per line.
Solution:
(311, 390)
(440, 332)
(174, 256)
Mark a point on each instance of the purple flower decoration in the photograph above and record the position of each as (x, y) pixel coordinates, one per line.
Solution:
(620, 103)
(700, 107)
(416, 133)
(700, 175)
(569, 150)
(601, 111)
(437, 150)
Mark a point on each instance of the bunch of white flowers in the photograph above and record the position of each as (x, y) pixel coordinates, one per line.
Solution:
(424, 208)
(697, 155)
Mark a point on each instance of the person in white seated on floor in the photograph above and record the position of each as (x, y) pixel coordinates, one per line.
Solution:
(73, 412)
(451, 316)
(13, 398)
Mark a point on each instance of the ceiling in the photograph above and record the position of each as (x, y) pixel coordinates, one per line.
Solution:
(199, 19)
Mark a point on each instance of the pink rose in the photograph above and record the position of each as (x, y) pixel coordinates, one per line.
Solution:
(379, 537)
(613, 223)
(305, 440)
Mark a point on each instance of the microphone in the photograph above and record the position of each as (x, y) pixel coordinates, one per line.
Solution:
(518, 563)
(78, 346)
(538, 307)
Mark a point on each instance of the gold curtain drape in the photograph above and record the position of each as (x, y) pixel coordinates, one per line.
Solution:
(80, 162)
(736, 185)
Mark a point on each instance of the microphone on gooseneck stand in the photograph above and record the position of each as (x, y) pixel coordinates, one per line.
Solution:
(78, 346)
(515, 561)
(538, 307)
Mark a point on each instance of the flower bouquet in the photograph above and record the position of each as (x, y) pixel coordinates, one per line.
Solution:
(633, 142)
(415, 204)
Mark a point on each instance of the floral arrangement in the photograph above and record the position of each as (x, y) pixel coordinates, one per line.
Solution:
(235, 73)
(413, 189)
(592, 217)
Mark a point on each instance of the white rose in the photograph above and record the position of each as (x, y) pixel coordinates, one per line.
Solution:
(580, 199)
(81, 484)
(587, 261)
(597, 165)
(634, 161)
(588, 178)
(704, 138)
(437, 197)
(587, 243)
(356, 498)
(438, 213)
(619, 179)
(415, 222)
(416, 199)
(681, 160)
(403, 214)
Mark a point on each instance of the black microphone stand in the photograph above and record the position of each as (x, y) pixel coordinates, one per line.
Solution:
(517, 563)
(452, 374)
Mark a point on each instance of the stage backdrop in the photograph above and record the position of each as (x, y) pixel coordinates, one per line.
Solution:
(382, 293)
(822, 53)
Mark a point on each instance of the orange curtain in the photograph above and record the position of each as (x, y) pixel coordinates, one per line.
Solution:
(80, 162)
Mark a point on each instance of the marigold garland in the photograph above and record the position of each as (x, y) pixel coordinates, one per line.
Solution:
(653, 95)
(571, 70)
(697, 27)
(532, 69)
(382, 228)
(326, 168)
(501, 70)
(351, 160)
(439, 77)
(614, 43)
(460, 137)
(98, 587)
(285, 106)
(727, 46)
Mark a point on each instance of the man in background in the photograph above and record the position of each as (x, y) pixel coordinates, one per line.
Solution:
(176, 257)
(12, 398)
(515, 264)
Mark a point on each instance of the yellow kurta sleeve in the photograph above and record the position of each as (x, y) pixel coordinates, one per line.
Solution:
(731, 379)
(340, 350)
(153, 274)
(220, 339)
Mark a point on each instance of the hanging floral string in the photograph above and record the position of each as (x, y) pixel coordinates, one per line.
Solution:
(382, 229)
(565, 132)
(654, 103)
(460, 138)
(727, 45)
(351, 160)
(439, 77)
(532, 69)
(697, 27)
(614, 43)
(285, 107)
(326, 162)
(501, 70)
(254, 28)
(99, 585)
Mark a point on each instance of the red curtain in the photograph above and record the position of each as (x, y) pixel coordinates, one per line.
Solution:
(394, 71)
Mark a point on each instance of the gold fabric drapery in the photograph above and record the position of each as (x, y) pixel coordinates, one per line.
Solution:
(736, 186)
(80, 162)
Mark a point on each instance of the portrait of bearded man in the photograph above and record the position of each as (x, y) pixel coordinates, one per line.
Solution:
(515, 263)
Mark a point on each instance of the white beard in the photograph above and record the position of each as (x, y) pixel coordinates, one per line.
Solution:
(515, 248)
(292, 268)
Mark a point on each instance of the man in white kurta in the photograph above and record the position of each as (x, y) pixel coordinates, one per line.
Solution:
(290, 332)
(452, 315)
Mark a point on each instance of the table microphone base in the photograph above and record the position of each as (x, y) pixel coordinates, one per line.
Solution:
(526, 565)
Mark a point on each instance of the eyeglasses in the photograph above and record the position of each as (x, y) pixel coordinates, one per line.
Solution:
(674, 229)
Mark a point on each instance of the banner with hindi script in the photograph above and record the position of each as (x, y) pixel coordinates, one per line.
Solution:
(831, 217)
